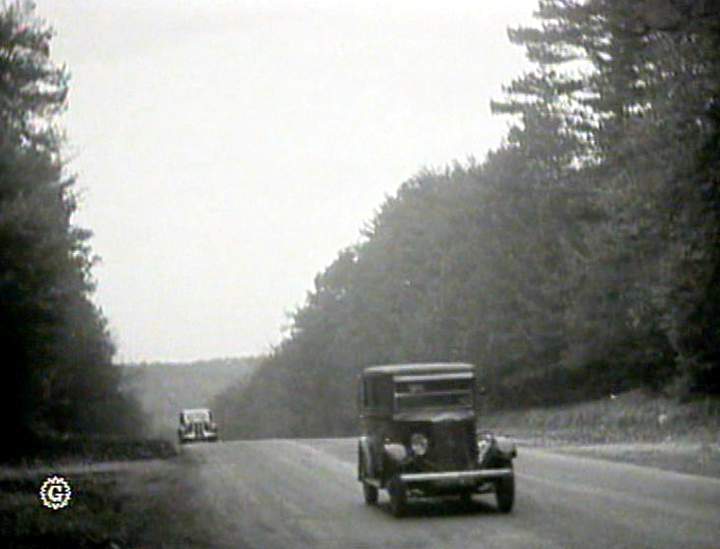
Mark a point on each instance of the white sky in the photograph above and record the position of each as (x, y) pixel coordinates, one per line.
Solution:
(227, 150)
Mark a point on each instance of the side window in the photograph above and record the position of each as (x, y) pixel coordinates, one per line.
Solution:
(362, 394)
(370, 393)
(378, 393)
(385, 392)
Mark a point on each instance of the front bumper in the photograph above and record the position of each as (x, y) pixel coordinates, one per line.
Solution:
(187, 437)
(461, 477)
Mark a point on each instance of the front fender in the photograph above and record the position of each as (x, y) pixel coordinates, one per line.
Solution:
(495, 451)
(505, 447)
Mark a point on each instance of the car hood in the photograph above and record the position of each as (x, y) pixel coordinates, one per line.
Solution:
(435, 416)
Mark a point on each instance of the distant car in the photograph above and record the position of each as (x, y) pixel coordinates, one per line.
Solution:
(419, 436)
(197, 424)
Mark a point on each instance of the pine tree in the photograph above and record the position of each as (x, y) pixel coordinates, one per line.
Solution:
(638, 101)
(57, 351)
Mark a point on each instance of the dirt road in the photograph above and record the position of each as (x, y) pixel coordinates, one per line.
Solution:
(303, 493)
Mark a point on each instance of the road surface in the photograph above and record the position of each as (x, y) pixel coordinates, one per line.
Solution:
(304, 493)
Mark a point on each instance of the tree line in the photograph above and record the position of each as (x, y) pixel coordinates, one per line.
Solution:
(57, 353)
(579, 258)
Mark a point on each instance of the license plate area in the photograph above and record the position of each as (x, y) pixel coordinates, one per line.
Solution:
(450, 482)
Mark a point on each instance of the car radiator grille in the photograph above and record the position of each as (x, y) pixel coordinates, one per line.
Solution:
(449, 449)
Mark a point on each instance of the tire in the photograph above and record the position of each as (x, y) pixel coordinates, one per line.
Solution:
(398, 497)
(505, 494)
(370, 492)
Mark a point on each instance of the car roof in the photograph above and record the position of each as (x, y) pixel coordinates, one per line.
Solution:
(193, 410)
(419, 368)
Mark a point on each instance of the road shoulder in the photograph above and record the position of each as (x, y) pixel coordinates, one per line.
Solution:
(113, 505)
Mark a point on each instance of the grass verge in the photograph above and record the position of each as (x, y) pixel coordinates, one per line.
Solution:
(55, 448)
(125, 493)
(634, 427)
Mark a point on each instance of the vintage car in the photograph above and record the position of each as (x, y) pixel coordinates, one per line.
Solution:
(419, 436)
(197, 424)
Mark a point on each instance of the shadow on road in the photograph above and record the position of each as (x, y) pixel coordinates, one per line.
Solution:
(443, 507)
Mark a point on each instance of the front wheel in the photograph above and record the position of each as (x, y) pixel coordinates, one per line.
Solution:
(370, 492)
(398, 497)
(505, 494)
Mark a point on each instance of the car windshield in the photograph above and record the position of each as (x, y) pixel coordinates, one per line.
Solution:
(197, 415)
(433, 392)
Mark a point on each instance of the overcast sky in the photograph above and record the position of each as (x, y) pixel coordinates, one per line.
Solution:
(227, 150)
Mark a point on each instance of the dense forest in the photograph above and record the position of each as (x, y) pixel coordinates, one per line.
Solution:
(57, 354)
(579, 258)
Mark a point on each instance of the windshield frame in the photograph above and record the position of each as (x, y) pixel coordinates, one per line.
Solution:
(193, 416)
(456, 384)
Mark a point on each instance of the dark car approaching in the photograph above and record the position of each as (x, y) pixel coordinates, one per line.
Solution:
(419, 436)
(197, 424)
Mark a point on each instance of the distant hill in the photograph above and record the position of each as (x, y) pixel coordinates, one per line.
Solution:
(164, 388)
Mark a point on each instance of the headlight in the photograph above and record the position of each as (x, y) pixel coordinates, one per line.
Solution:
(506, 447)
(484, 445)
(397, 452)
(419, 444)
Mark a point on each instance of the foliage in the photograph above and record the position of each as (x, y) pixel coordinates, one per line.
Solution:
(580, 258)
(57, 351)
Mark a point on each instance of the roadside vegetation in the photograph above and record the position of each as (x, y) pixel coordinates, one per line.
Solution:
(579, 259)
(636, 427)
(635, 416)
(143, 505)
